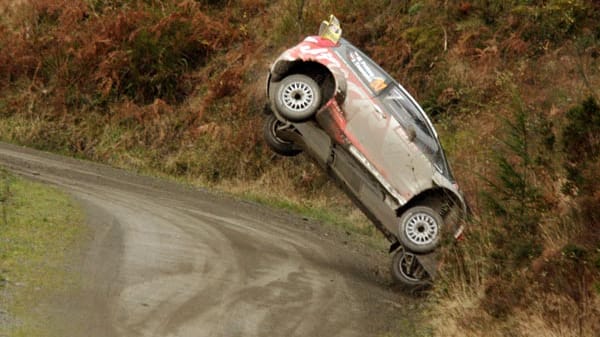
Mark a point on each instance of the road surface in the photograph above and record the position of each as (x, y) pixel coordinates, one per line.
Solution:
(169, 260)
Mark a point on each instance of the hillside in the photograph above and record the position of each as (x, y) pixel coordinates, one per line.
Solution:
(176, 88)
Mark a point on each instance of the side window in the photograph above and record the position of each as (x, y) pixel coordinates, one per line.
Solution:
(407, 115)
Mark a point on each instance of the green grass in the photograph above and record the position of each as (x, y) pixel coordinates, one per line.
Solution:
(41, 227)
(319, 213)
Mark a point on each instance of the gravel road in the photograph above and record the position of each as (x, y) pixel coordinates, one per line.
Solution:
(170, 260)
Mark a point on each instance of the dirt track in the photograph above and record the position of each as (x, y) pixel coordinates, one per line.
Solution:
(167, 260)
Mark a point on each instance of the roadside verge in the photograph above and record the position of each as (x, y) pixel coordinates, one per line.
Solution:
(39, 228)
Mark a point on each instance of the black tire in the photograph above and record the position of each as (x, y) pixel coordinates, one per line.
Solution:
(408, 272)
(420, 229)
(275, 143)
(297, 98)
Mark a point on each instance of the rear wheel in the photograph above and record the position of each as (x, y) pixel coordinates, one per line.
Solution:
(278, 145)
(297, 98)
(408, 271)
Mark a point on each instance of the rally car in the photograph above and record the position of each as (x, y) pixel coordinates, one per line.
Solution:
(328, 99)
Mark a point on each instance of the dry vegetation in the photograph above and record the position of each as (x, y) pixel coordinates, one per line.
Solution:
(175, 87)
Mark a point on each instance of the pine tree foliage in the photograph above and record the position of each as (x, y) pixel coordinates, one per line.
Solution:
(514, 197)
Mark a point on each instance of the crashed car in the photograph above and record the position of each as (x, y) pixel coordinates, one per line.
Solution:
(328, 99)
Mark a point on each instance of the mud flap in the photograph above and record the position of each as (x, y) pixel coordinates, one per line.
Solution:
(267, 109)
(314, 141)
(395, 245)
(429, 263)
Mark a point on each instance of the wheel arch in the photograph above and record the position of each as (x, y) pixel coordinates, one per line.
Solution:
(436, 198)
(328, 80)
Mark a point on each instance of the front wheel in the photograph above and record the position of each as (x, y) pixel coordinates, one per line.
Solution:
(408, 271)
(297, 98)
(420, 229)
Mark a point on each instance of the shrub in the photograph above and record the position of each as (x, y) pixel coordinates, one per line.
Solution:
(581, 145)
(553, 21)
(17, 57)
(135, 51)
(155, 58)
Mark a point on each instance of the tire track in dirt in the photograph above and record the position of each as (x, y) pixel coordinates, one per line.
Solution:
(168, 260)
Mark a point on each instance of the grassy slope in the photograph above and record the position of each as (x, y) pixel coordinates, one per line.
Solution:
(42, 226)
(73, 80)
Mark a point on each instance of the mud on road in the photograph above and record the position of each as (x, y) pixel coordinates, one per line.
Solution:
(169, 260)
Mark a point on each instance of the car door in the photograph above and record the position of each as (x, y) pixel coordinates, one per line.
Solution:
(366, 120)
(375, 130)
(407, 142)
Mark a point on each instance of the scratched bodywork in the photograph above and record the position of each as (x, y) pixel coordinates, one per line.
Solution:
(374, 139)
